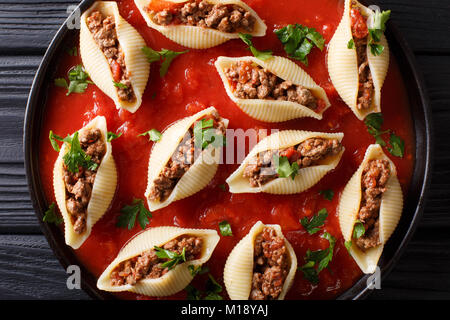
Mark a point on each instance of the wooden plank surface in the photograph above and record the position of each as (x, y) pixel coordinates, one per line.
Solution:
(28, 268)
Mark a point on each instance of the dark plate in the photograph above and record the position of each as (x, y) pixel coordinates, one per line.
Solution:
(414, 204)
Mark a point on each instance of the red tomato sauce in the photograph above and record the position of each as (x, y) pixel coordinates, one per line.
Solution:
(192, 84)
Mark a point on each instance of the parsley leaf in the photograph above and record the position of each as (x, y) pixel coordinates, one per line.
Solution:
(318, 260)
(313, 225)
(76, 157)
(195, 270)
(50, 215)
(327, 194)
(192, 293)
(213, 290)
(174, 258)
(351, 44)
(165, 56)
(358, 230)
(78, 80)
(348, 245)
(53, 137)
(111, 136)
(153, 135)
(120, 85)
(130, 212)
(225, 228)
(398, 146)
(284, 168)
(261, 55)
(376, 31)
(205, 134)
(299, 40)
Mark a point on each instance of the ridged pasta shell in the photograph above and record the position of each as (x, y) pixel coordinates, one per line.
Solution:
(343, 65)
(103, 188)
(199, 174)
(390, 210)
(198, 37)
(306, 177)
(238, 272)
(97, 65)
(274, 110)
(174, 280)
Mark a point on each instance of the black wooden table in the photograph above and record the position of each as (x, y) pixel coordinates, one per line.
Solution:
(28, 268)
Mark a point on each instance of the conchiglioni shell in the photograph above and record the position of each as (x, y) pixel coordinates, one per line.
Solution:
(390, 210)
(238, 272)
(103, 188)
(199, 37)
(174, 280)
(274, 110)
(306, 177)
(343, 65)
(97, 65)
(199, 174)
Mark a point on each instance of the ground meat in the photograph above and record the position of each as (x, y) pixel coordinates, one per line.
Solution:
(228, 18)
(79, 184)
(148, 266)
(250, 81)
(360, 34)
(373, 184)
(270, 266)
(262, 168)
(103, 30)
(180, 162)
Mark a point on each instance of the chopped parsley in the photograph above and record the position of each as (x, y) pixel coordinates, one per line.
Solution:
(225, 228)
(120, 85)
(327, 194)
(284, 168)
(358, 230)
(299, 40)
(174, 258)
(313, 225)
(351, 44)
(373, 122)
(377, 30)
(131, 212)
(261, 55)
(111, 136)
(212, 292)
(50, 215)
(165, 56)
(78, 80)
(318, 260)
(348, 245)
(153, 135)
(195, 270)
(53, 137)
(205, 134)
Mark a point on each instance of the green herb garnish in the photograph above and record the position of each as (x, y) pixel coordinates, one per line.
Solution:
(130, 212)
(327, 194)
(348, 245)
(195, 270)
(165, 56)
(313, 225)
(78, 80)
(50, 215)
(76, 157)
(284, 168)
(72, 51)
(111, 136)
(153, 135)
(358, 230)
(261, 55)
(299, 40)
(174, 258)
(213, 290)
(373, 122)
(377, 30)
(397, 146)
(205, 134)
(318, 260)
(225, 228)
(351, 44)
(120, 85)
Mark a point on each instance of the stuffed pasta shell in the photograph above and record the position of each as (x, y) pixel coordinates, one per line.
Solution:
(186, 158)
(358, 58)
(261, 266)
(156, 261)
(111, 52)
(370, 208)
(272, 91)
(84, 180)
(287, 162)
(201, 24)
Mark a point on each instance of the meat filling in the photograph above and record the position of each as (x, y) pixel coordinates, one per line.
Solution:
(270, 266)
(373, 183)
(180, 162)
(262, 168)
(79, 184)
(228, 18)
(250, 81)
(104, 31)
(360, 34)
(148, 266)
